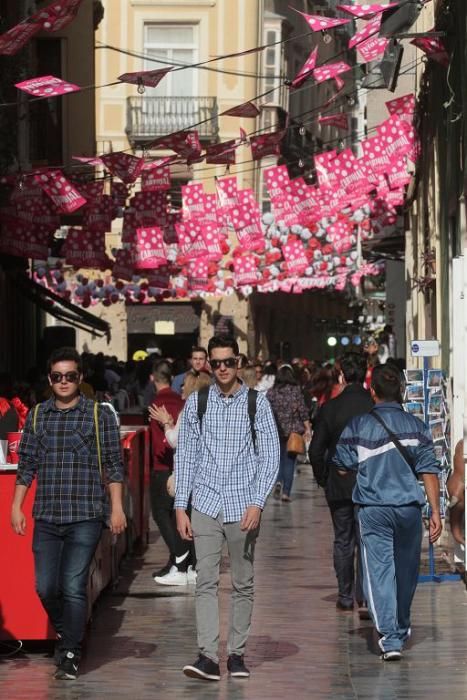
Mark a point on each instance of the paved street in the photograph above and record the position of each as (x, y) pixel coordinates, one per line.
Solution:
(300, 646)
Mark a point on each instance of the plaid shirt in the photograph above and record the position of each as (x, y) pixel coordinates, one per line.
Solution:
(62, 454)
(218, 465)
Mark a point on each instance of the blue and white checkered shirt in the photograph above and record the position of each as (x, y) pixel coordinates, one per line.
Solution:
(217, 466)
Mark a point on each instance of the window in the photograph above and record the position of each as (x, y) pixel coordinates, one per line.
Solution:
(272, 60)
(172, 43)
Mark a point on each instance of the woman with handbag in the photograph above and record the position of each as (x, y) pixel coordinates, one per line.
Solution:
(293, 424)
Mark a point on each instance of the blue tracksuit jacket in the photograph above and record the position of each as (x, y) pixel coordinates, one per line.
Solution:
(384, 478)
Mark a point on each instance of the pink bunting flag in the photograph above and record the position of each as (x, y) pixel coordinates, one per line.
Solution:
(185, 143)
(366, 11)
(119, 193)
(246, 270)
(376, 156)
(370, 30)
(330, 70)
(66, 198)
(123, 165)
(39, 213)
(190, 239)
(320, 23)
(227, 192)
(398, 177)
(97, 216)
(47, 86)
(266, 144)
(276, 179)
(150, 252)
(85, 249)
(160, 278)
(306, 70)
(403, 107)
(87, 160)
(397, 136)
(156, 179)
(247, 110)
(148, 78)
(372, 48)
(123, 267)
(340, 121)
(58, 15)
(91, 191)
(295, 256)
(322, 167)
(198, 275)
(221, 153)
(151, 208)
(18, 36)
(434, 48)
(193, 200)
(213, 241)
(18, 239)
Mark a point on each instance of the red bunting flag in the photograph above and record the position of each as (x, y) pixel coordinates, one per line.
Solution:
(221, 153)
(370, 30)
(295, 256)
(185, 143)
(266, 144)
(66, 198)
(97, 216)
(403, 107)
(15, 38)
(123, 165)
(150, 252)
(47, 86)
(148, 78)
(246, 109)
(198, 274)
(306, 70)
(157, 178)
(18, 239)
(340, 121)
(319, 23)
(372, 48)
(246, 270)
(85, 249)
(434, 48)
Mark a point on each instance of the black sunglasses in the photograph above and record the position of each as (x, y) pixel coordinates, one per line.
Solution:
(229, 362)
(71, 377)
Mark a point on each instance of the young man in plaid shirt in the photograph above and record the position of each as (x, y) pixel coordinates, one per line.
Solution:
(228, 472)
(72, 448)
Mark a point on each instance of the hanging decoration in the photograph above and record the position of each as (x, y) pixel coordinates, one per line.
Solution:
(47, 86)
(306, 70)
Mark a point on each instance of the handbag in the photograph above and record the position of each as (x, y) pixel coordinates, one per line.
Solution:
(295, 444)
(171, 486)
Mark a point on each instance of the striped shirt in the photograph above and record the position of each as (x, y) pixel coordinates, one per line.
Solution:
(218, 466)
(61, 453)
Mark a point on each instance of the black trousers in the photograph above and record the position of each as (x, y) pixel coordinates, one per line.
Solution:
(347, 562)
(162, 507)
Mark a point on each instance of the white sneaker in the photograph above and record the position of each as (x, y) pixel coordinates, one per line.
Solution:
(191, 575)
(173, 578)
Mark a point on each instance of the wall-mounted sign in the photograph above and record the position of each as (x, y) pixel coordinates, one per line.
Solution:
(425, 348)
(164, 328)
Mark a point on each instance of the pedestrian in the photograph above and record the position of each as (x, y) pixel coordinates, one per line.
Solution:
(197, 362)
(328, 425)
(227, 460)
(390, 450)
(291, 416)
(71, 445)
(174, 573)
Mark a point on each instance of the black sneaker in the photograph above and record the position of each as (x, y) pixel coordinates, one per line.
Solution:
(236, 667)
(59, 652)
(203, 668)
(68, 667)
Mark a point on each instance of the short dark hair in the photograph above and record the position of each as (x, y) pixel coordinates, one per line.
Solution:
(386, 382)
(353, 366)
(162, 372)
(65, 354)
(198, 348)
(223, 341)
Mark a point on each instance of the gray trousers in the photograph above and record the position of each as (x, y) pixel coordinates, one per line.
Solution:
(209, 535)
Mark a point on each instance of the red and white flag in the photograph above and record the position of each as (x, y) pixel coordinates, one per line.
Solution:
(340, 121)
(371, 29)
(246, 110)
(66, 198)
(366, 11)
(123, 165)
(306, 70)
(319, 23)
(150, 251)
(18, 36)
(148, 78)
(330, 70)
(47, 86)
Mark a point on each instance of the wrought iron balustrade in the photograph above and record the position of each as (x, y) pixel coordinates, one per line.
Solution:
(149, 118)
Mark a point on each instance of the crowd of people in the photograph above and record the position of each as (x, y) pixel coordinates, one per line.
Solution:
(226, 432)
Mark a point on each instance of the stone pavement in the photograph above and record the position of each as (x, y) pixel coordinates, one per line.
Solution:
(300, 646)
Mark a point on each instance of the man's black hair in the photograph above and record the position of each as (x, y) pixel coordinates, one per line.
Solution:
(198, 348)
(162, 372)
(386, 382)
(65, 354)
(353, 366)
(223, 341)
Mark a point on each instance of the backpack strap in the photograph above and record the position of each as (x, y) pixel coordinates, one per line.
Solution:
(34, 417)
(202, 403)
(98, 440)
(252, 398)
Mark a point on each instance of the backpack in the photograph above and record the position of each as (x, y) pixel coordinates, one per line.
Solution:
(252, 397)
(96, 423)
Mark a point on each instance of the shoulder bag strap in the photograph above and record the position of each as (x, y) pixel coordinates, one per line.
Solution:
(252, 397)
(202, 404)
(403, 450)
(34, 418)
(98, 439)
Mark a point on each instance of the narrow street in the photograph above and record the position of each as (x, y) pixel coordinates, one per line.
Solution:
(300, 646)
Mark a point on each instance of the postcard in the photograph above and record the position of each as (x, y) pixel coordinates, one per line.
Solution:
(437, 430)
(435, 405)
(435, 378)
(413, 375)
(414, 392)
(414, 407)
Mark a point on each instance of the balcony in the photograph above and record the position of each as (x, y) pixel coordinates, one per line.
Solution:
(149, 118)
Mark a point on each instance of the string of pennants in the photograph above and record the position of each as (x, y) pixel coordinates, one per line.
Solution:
(217, 242)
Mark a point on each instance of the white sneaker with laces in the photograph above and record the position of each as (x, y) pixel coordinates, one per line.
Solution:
(173, 578)
(191, 575)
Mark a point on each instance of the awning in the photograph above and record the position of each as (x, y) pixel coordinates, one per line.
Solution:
(60, 308)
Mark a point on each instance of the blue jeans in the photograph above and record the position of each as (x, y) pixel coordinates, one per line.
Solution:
(62, 558)
(286, 469)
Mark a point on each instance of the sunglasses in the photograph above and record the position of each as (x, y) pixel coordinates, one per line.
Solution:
(229, 362)
(70, 377)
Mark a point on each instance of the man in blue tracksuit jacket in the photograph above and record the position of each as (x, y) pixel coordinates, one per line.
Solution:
(390, 500)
